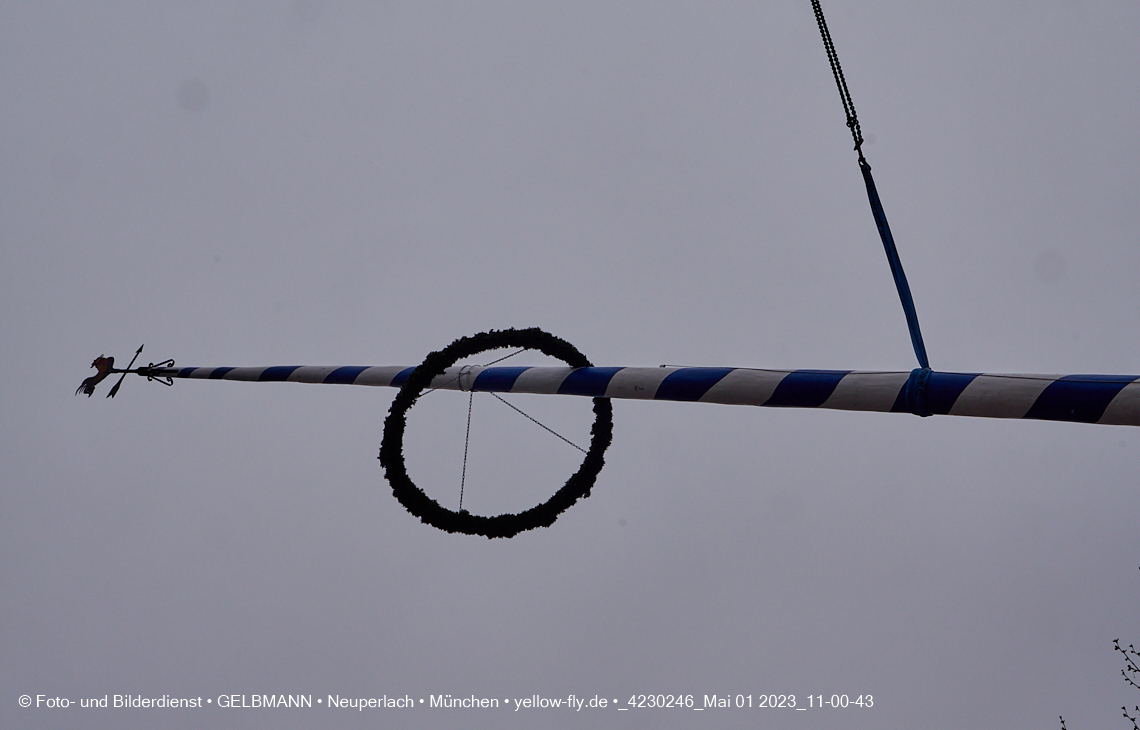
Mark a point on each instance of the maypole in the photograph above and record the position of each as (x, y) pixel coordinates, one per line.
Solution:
(1103, 399)
(1077, 398)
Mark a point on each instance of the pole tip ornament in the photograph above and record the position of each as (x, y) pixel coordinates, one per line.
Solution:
(106, 366)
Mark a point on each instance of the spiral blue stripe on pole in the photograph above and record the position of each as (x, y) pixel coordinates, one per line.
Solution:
(1110, 399)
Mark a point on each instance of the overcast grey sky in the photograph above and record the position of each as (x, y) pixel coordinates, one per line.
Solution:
(672, 182)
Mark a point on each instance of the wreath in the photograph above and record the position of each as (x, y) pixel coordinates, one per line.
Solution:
(505, 525)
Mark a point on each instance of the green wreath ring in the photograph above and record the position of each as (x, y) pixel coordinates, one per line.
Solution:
(505, 525)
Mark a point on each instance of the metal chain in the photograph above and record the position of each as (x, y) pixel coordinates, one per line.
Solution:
(840, 82)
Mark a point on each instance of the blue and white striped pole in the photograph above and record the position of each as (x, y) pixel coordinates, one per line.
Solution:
(1108, 399)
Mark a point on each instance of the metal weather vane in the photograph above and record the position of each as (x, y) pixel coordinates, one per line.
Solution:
(105, 366)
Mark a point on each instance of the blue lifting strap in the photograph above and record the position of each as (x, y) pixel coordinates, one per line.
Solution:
(896, 265)
(917, 388)
(916, 391)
